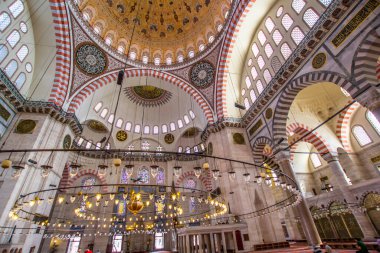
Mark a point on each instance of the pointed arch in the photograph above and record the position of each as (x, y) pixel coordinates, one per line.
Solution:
(343, 126)
(63, 52)
(66, 181)
(291, 91)
(99, 82)
(206, 180)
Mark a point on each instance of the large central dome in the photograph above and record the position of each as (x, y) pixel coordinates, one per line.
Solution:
(164, 31)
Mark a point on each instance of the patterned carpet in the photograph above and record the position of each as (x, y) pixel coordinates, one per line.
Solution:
(305, 249)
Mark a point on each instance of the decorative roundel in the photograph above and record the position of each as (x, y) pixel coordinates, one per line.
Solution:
(202, 74)
(67, 142)
(121, 135)
(90, 59)
(26, 126)
(319, 60)
(169, 138)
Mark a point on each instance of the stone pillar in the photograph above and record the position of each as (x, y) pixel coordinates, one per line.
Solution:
(187, 243)
(340, 184)
(208, 244)
(201, 248)
(311, 233)
(224, 242)
(235, 243)
(212, 243)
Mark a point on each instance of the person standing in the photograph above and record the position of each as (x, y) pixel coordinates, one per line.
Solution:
(361, 246)
(328, 249)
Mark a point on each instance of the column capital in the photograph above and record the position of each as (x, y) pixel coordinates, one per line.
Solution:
(330, 157)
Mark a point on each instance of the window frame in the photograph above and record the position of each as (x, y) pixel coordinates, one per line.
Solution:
(357, 139)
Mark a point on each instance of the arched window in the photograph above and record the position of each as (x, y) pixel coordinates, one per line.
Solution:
(5, 20)
(325, 2)
(310, 17)
(120, 49)
(86, 16)
(276, 64)
(111, 118)
(187, 150)
(3, 52)
(361, 135)
(98, 145)
(192, 115)
(298, 5)
(211, 39)
(160, 178)
(297, 35)
(11, 68)
(252, 94)
(128, 126)
(13, 38)
(250, 61)
(172, 126)
(186, 119)
(88, 145)
(169, 61)
(146, 129)
(243, 92)
(195, 149)
(254, 73)
(145, 59)
(20, 80)
(16, 8)
(157, 61)
(108, 41)
(267, 76)
(259, 86)
(201, 47)
(374, 122)
(248, 82)
(180, 58)
(246, 103)
(97, 29)
(137, 128)
(180, 149)
(80, 141)
(261, 62)
(143, 174)
(315, 160)
(287, 21)
(23, 27)
(98, 106)
(22, 53)
(132, 55)
(262, 38)
(119, 123)
(285, 50)
(103, 114)
(279, 12)
(155, 129)
(28, 67)
(180, 123)
(269, 24)
(164, 128)
(268, 50)
(277, 37)
(255, 49)
(191, 54)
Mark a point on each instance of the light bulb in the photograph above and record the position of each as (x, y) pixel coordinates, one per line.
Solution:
(61, 199)
(129, 169)
(72, 198)
(247, 177)
(154, 170)
(112, 196)
(215, 174)
(177, 171)
(98, 196)
(232, 175)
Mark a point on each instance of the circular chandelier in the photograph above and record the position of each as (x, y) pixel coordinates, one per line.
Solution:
(146, 208)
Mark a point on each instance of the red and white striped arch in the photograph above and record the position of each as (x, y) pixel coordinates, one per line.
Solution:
(206, 180)
(226, 53)
(67, 181)
(63, 53)
(97, 83)
(320, 143)
(343, 126)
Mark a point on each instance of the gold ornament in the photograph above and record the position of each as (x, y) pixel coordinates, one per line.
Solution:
(121, 135)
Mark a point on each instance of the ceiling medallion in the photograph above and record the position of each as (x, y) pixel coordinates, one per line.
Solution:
(26, 126)
(238, 138)
(90, 59)
(66, 142)
(121, 135)
(319, 60)
(147, 95)
(169, 138)
(97, 126)
(202, 74)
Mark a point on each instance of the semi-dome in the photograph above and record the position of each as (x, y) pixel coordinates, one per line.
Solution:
(162, 32)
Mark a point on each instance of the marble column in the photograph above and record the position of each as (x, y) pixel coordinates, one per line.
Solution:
(235, 242)
(187, 243)
(212, 243)
(224, 242)
(201, 244)
(340, 183)
(307, 222)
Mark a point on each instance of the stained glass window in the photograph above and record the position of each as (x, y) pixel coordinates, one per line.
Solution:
(88, 183)
(192, 205)
(155, 129)
(121, 208)
(160, 178)
(124, 177)
(190, 183)
(143, 175)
